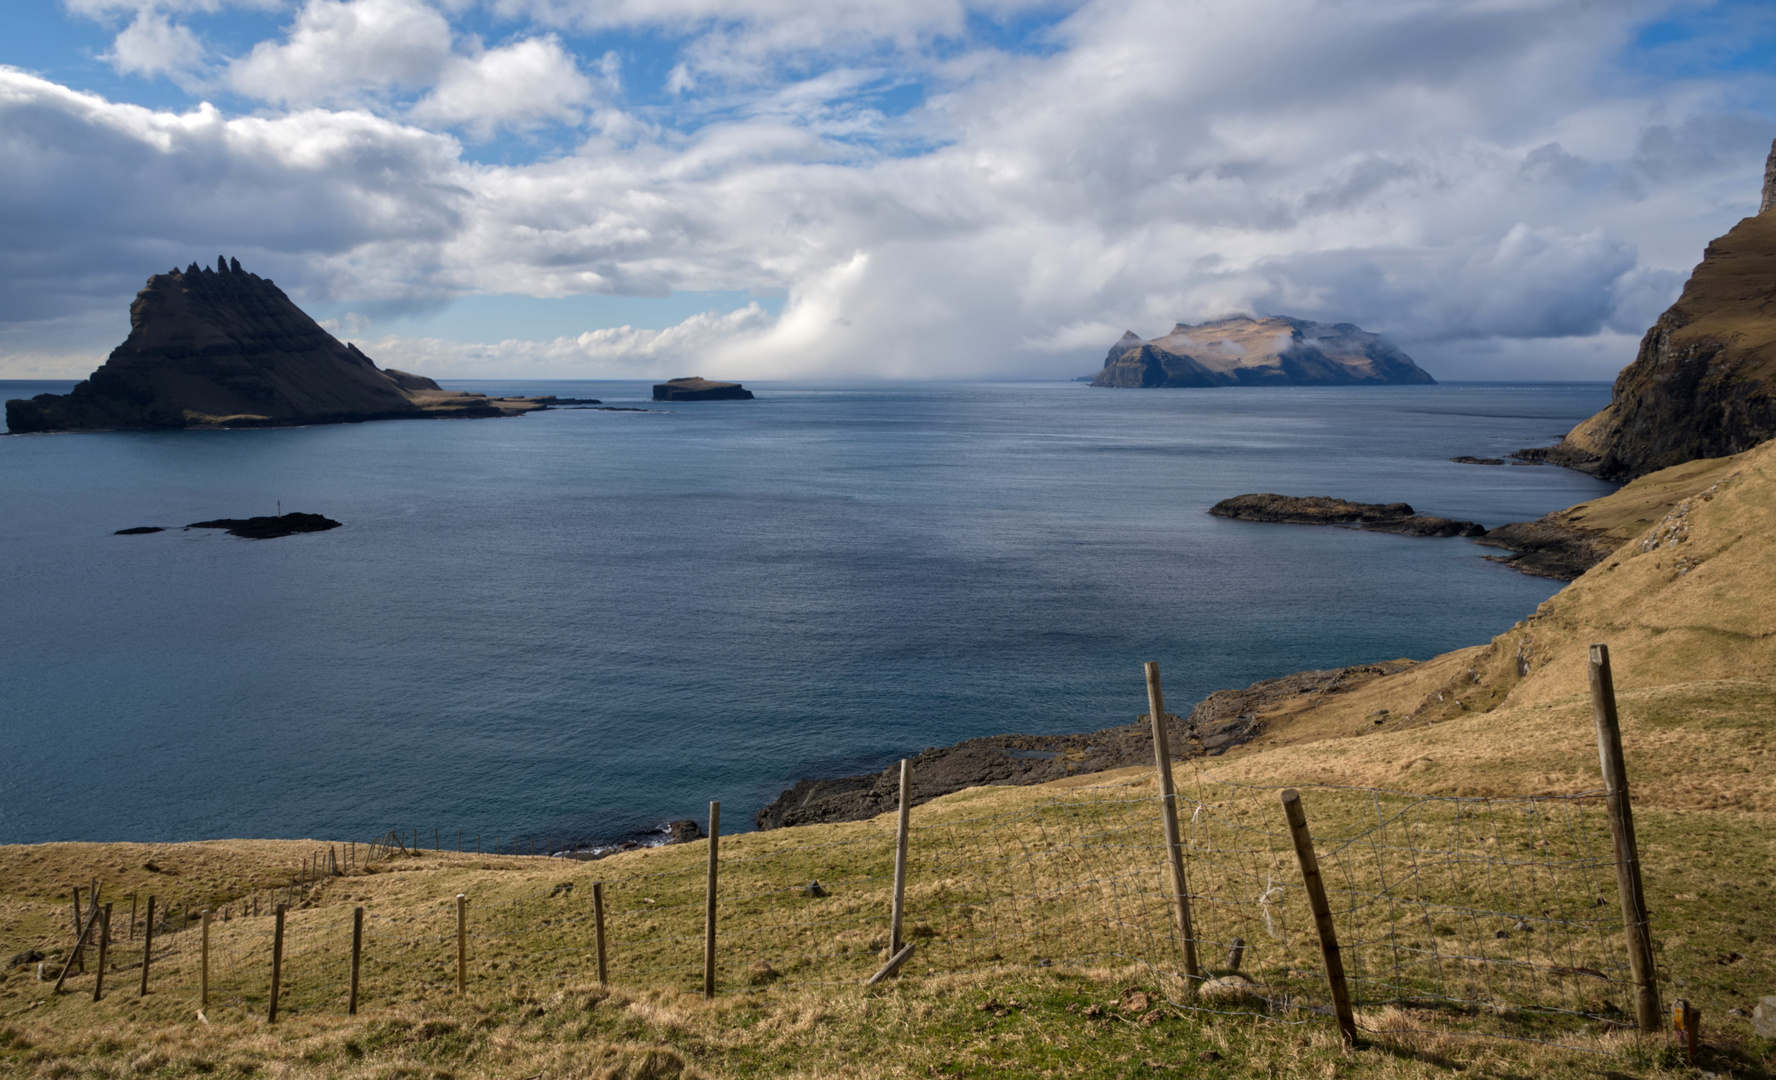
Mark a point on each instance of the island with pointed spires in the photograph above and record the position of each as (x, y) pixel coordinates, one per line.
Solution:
(213, 347)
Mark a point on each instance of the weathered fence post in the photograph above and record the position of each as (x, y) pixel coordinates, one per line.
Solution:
(900, 856)
(147, 944)
(715, 816)
(80, 931)
(105, 940)
(203, 962)
(1621, 821)
(1322, 912)
(598, 928)
(85, 931)
(351, 1003)
(462, 943)
(1162, 757)
(277, 963)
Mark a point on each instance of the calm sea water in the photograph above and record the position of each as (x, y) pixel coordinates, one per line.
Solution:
(581, 624)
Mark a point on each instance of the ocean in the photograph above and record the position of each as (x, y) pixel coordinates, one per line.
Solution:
(576, 625)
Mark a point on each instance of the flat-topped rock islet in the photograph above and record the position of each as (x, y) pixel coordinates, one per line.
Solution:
(1325, 510)
(693, 388)
(221, 347)
(1242, 351)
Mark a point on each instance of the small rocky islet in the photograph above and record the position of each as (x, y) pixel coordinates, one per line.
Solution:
(268, 527)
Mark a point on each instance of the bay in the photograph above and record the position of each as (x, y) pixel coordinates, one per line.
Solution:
(579, 624)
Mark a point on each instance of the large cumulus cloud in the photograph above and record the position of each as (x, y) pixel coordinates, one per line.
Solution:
(1480, 180)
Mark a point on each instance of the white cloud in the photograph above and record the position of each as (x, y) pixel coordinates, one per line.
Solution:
(154, 45)
(706, 342)
(339, 51)
(516, 85)
(1461, 175)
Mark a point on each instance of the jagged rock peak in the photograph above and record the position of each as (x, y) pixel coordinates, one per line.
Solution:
(1769, 199)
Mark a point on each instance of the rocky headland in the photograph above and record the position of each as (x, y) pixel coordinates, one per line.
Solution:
(692, 388)
(220, 347)
(1325, 510)
(1703, 384)
(1243, 351)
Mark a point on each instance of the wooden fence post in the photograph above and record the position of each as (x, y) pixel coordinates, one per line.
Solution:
(1322, 913)
(147, 944)
(277, 963)
(900, 856)
(715, 816)
(105, 940)
(203, 961)
(351, 1004)
(80, 931)
(1621, 821)
(598, 928)
(1168, 801)
(462, 943)
(68, 965)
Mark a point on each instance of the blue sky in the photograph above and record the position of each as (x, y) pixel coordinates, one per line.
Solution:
(924, 188)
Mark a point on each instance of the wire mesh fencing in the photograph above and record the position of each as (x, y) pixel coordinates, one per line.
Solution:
(1467, 916)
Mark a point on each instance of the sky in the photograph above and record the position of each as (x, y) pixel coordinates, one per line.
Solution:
(774, 189)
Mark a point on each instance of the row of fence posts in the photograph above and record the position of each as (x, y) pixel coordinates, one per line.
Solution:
(1620, 812)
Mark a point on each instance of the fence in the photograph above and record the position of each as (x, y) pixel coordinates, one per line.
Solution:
(1469, 916)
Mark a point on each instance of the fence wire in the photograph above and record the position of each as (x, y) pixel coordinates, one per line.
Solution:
(1465, 916)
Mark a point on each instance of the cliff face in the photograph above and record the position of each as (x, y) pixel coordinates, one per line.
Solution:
(1701, 385)
(1242, 351)
(218, 346)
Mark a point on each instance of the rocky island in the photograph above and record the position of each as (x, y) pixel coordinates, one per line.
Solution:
(1701, 385)
(692, 388)
(1324, 510)
(1243, 351)
(221, 347)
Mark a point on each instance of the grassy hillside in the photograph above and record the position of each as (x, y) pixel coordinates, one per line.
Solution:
(1040, 912)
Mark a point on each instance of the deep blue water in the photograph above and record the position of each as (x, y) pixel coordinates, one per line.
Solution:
(583, 623)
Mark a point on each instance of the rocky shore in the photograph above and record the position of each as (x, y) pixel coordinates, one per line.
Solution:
(1223, 720)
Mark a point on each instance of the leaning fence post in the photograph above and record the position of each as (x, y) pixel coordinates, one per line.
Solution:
(277, 963)
(598, 927)
(462, 943)
(68, 965)
(1322, 912)
(1621, 821)
(203, 962)
(351, 1004)
(105, 940)
(1168, 802)
(900, 854)
(147, 944)
(715, 816)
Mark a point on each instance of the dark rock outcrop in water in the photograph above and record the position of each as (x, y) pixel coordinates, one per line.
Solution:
(1703, 384)
(269, 527)
(220, 347)
(696, 389)
(1323, 510)
(1242, 351)
(1220, 722)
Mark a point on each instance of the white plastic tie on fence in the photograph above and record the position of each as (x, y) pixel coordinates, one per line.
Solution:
(1270, 889)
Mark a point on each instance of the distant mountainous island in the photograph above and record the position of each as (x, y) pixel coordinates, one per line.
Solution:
(226, 348)
(1274, 351)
